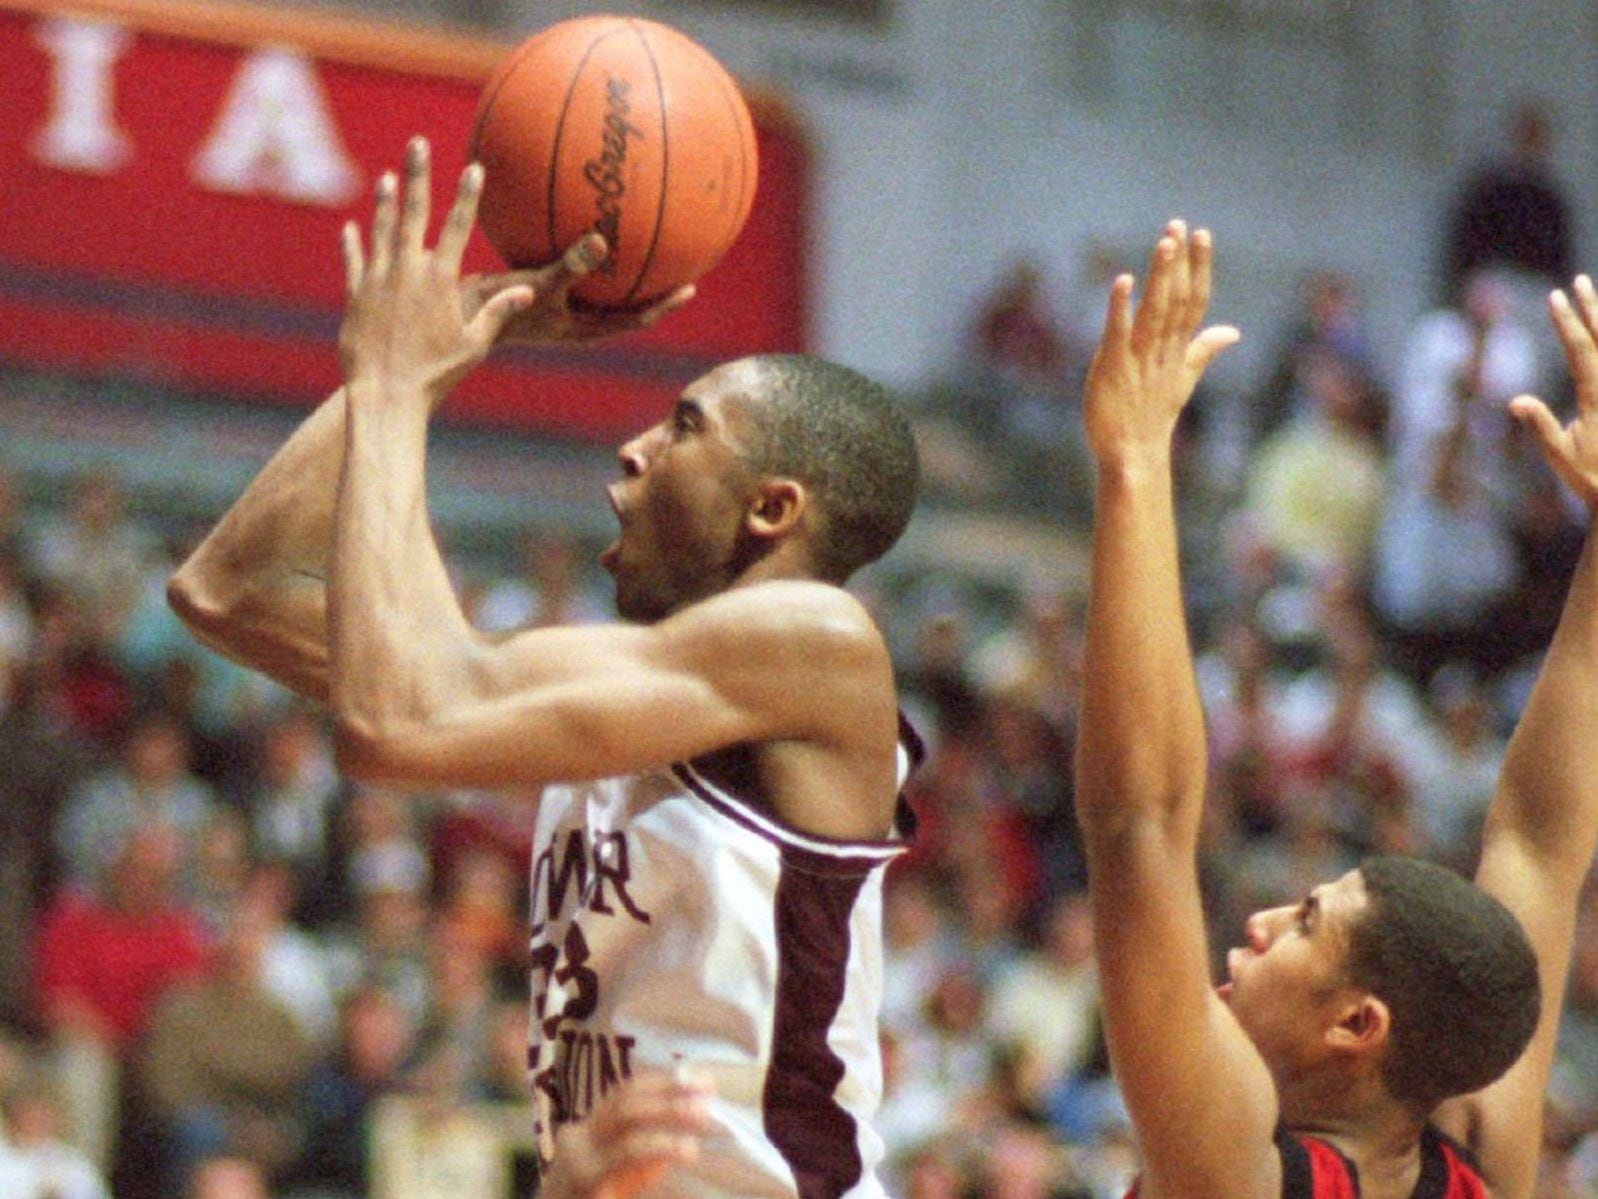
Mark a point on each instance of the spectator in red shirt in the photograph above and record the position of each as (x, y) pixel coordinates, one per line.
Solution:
(102, 960)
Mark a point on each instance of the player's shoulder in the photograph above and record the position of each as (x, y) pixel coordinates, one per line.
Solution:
(789, 613)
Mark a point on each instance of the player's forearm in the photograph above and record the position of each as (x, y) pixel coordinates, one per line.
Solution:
(254, 589)
(1140, 748)
(1548, 792)
(397, 635)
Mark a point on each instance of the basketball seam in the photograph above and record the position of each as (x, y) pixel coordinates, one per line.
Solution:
(552, 173)
(508, 70)
(665, 169)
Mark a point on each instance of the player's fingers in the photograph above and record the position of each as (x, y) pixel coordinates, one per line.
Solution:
(1148, 322)
(418, 197)
(383, 218)
(486, 326)
(354, 257)
(581, 257)
(666, 306)
(1204, 348)
(457, 229)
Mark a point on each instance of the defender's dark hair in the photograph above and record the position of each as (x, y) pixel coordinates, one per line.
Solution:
(1457, 973)
(842, 436)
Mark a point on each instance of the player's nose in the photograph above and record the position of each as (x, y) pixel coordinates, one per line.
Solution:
(1261, 928)
(634, 455)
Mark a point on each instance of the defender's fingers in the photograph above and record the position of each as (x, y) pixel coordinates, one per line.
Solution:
(1204, 348)
(384, 216)
(1176, 312)
(1587, 305)
(1202, 256)
(1148, 322)
(354, 257)
(1544, 425)
(1117, 312)
(1581, 352)
(457, 229)
(418, 197)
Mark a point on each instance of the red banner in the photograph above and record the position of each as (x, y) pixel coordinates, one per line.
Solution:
(173, 177)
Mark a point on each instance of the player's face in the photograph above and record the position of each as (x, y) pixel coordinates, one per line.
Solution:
(683, 498)
(1287, 982)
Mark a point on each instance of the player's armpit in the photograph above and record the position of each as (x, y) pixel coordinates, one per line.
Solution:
(768, 662)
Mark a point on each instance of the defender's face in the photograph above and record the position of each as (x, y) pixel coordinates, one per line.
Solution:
(1287, 980)
(683, 497)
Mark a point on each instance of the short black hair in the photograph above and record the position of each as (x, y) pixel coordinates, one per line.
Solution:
(842, 436)
(1456, 971)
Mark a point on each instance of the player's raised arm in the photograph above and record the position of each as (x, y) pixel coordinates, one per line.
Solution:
(1201, 1098)
(1542, 829)
(256, 588)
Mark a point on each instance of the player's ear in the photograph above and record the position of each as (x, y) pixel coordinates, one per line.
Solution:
(776, 508)
(1363, 1025)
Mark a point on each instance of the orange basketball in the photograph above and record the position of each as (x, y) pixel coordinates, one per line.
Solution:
(621, 125)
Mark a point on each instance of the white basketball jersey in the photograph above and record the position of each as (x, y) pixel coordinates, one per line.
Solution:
(674, 923)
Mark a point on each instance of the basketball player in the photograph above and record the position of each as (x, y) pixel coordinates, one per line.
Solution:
(708, 890)
(1383, 1036)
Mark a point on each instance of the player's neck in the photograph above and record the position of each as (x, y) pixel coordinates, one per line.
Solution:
(1365, 1124)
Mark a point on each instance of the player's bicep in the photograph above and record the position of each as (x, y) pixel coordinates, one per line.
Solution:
(1200, 1096)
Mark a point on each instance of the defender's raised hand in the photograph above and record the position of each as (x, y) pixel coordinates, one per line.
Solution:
(1148, 362)
(406, 323)
(1572, 450)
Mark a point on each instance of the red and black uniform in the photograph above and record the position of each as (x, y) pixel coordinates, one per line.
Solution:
(1314, 1169)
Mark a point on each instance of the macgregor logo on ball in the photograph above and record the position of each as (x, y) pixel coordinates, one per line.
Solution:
(606, 174)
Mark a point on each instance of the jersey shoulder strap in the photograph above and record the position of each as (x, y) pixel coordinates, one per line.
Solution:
(1447, 1169)
(1314, 1169)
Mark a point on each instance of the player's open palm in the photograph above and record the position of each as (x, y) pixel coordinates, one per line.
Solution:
(1149, 361)
(407, 323)
(1572, 450)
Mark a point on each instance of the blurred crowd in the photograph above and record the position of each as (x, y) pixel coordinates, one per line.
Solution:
(223, 963)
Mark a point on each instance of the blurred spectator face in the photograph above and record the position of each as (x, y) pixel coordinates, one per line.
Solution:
(96, 505)
(910, 914)
(290, 743)
(32, 1116)
(508, 1047)
(222, 853)
(460, 968)
(1336, 390)
(376, 816)
(228, 1178)
(1019, 1165)
(1327, 300)
(377, 1038)
(243, 945)
(157, 753)
(956, 1004)
(932, 1175)
(1068, 939)
(143, 872)
(1486, 299)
